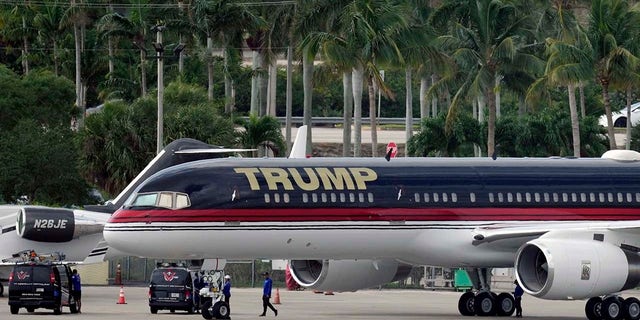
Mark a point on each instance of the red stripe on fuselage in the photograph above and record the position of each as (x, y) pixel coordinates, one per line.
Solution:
(375, 214)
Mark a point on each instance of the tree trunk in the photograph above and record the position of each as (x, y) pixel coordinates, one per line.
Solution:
(522, 106)
(408, 110)
(143, 73)
(25, 49)
(372, 116)
(271, 88)
(289, 97)
(262, 84)
(78, 47)
(229, 102)
(497, 92)
(434, 100)
(358, 75)
(255, 109)
(56, 63)
(491, 125)
(628, 142)
(210, 68)
(307, 80)
(424, 106)
(181, 57)
(583, 109)
(575, 122)
(607, 111)
(347, 85)
(110, 48)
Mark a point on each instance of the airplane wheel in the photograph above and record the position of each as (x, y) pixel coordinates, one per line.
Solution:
(631, 309)
(612, 308)
(593, 308)
(485, 304)
(506, 304)
(465, 304)
(220, 310)
(206, 310)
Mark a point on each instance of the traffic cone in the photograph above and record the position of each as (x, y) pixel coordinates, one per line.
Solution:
(121, 298)
(276, 299)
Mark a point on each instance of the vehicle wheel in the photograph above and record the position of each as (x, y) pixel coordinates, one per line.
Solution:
(612, 308)
(620, 122)
(73, 308)
(206, 310)
(465, 304)
(593, 308)
(631, 309)
(15, 309)
(506, 304)
(57, 309)
(31, 309)
(220, 310)
(1, 290)
(153, 310)
(485, 304)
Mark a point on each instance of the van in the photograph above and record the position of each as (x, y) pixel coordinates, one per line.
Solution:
(41, 285)
(171, 288)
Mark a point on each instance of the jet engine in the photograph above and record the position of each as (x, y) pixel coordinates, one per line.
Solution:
(45, 224)
(559, 269)
(346, 275)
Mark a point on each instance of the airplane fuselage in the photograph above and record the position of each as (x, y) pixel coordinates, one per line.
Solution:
(416, 210)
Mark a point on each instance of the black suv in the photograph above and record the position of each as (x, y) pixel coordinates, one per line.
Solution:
(41, 285)
(171, 288)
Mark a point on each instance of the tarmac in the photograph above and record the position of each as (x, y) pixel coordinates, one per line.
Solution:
(99, 303)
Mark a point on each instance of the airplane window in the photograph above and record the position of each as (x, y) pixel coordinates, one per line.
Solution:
(286, 197)
(352, 197)
(445, 198)
(305, 198)
(518, 197)
(435, 197)
(343, 198)
(145, 200)
(324, 197)
(182, 201)
(629, 197)
(610, 197)
(472, 197)
(620, 197)
(509, 197)
(537, 196)
(361, 197)
(565, 197)
(490, 197)
(276, 198)
(314, 197)
(370, 195)
(454, 197)
(583, 197)
(165, 200)
(601, 196)
(555, 197)
(500, 197)
(637, 197)
(546, 197)
(527, 196)
(333, 197)
(416, 197)
(267, 199)
(592, 197)
(426, 197)
(574, 197)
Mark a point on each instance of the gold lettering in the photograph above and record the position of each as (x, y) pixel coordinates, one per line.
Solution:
(362, 175)
(336, 179)
(250, 173)
(273, 176)
(313, 183)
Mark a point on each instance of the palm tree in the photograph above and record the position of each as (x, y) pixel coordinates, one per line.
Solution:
(262, 132)
(47, 20)
(613, 27)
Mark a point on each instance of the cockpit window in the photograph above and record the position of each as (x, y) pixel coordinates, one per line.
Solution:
(169, 200)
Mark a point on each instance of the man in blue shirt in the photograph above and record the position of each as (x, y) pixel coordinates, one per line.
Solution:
(517, 294)
(226, 290)
(266, 295)
(76, 288)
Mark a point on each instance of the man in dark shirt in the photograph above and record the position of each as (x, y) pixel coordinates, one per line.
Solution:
(226, 290)
(76, 288)
(266, 295)
(517, 294)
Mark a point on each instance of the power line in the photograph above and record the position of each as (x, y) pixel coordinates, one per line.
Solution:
(41, 3)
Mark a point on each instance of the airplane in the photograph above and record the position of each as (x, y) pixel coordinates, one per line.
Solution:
(75, 235)
(570, 227)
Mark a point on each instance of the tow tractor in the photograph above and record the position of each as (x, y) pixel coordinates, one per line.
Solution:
(211, 297)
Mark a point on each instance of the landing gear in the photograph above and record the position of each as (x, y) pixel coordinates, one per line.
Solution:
(612, 308)
(485, 302)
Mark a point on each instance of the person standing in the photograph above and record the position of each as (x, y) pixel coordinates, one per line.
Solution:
(517, 294)
(76, 289)
(266, 295)
(226, 290)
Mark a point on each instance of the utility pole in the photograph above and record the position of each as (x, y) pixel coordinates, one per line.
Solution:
(159, 51)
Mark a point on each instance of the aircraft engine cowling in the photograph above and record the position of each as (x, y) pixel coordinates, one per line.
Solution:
(346, 275)
(45, 224)
(561, 269)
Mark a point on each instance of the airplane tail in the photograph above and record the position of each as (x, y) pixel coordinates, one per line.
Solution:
(299, 148)
(176, 152)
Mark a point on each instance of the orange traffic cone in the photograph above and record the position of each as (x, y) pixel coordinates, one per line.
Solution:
(276, 299)
(121, 298)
